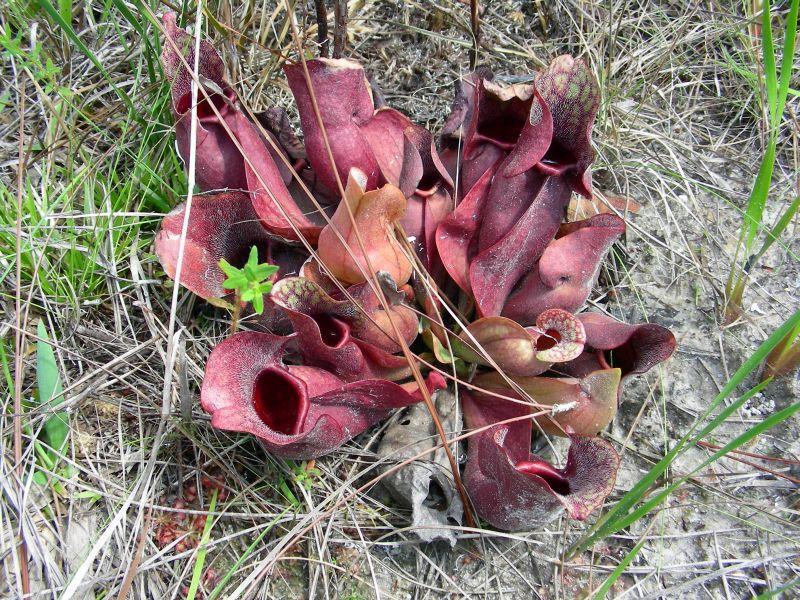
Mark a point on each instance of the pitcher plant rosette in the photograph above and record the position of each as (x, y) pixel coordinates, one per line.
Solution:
(390, 240)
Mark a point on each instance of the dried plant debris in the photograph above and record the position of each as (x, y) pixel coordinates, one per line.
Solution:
(426, 484)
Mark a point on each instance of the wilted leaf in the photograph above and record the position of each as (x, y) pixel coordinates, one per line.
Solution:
(426, 485)
(584, 208)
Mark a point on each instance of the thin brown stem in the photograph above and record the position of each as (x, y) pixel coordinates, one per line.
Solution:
(794, 480)
(322, 27)
(127, 582)
(19, 342)
(475, 26)
(339, 27)
(236, 312)
(786, 461)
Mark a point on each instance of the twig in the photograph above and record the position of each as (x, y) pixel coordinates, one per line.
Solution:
(339, 27)
(322, 27)
(475, 26)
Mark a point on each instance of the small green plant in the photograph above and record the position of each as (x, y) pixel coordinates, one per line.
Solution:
(33, 60)
(776, 90)
(249, 284)
(305, 474)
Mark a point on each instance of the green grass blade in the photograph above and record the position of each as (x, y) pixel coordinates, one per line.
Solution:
(5, 366)
(768, 57)
(779, 227)
(65, 9)
(56, 425)
(787, 62)
(776, 102)
(197, 571)
(67, 28)
(747, 436)
(758, 196)
(607, 523)
(141, 29)
(750, 365)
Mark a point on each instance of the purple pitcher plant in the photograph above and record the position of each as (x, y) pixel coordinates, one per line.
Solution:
(376, 226)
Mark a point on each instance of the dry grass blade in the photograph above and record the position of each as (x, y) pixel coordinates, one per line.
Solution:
(19, 342)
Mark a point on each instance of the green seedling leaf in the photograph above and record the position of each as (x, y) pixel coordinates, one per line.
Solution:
(251, 282)
(258, 303)
(304, 476)
(56, 425)
(89, 495)
(235, 276)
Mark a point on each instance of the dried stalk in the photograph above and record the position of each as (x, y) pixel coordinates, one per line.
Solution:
(322, 27)
(19, 341)
(339, 27)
